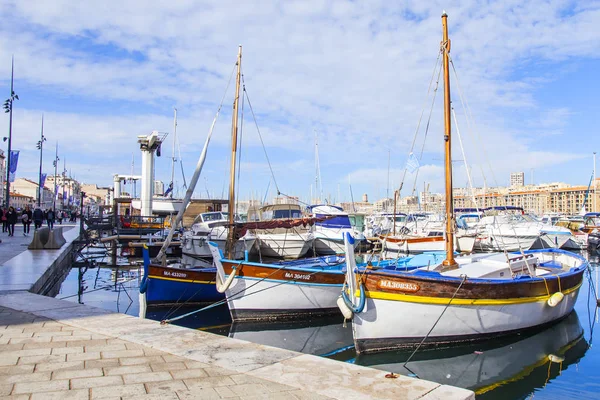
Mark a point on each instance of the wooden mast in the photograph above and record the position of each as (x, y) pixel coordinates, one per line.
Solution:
(231, 207)
(449, 262)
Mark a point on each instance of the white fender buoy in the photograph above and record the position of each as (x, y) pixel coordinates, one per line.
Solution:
(142, 299)
(346, 311)
(222, 287)
(555, 299)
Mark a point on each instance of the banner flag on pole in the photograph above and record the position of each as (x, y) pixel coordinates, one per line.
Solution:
(43, 180)
(169, 190)
(14, 160)
(412, 164)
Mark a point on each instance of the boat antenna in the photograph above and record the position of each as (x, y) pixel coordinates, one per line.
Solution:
(234, 143)
(318, 182)
(173, 159)
(449, 262)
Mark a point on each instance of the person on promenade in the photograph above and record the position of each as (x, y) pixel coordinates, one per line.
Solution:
(4, 221)
(59, 216)
(38, 217)
(50, 218)
(26, 217)
(11, 220)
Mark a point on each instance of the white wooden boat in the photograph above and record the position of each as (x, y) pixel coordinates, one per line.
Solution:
(467, 298)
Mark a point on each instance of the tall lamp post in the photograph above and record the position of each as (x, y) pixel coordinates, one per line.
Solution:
(82, 194)
(55, 163)
(595, 209)
(8, 107)
(40, 146)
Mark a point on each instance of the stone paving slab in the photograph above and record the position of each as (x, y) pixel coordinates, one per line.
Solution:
(56, 349)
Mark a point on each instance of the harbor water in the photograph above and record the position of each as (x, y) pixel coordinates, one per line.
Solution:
(559, 362)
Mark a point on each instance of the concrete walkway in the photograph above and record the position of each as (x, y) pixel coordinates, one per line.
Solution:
(56, 349)
(33, 270)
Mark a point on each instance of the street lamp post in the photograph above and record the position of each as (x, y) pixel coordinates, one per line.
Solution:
(55, 163)
(8, 107)
(82, 194)
(40, 146)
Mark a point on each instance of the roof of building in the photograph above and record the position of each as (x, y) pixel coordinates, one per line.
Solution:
(13, 194)
(27, 180)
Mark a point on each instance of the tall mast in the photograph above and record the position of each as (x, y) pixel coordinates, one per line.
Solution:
(173, 153)
(449, 262)
(9, 103)
(234, 122)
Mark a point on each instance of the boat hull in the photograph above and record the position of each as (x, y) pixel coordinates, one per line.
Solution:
(269, 291)
(414, 245)
(170, 285)
(285, 246)
(402, 308)
(488, 243)
(197, 246)
(329, 245)
(407, 323)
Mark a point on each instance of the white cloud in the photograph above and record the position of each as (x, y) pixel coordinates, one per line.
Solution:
(355, 72)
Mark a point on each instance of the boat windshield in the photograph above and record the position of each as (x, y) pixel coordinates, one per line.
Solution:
(282, 214)
(213, 216)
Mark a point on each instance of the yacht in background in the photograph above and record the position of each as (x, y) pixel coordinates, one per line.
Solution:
(329, 234)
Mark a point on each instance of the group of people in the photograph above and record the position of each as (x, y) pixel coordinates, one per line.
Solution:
(10, 217)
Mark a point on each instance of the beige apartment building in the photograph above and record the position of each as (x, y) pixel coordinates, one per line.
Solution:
(539, 199)
(30, 189)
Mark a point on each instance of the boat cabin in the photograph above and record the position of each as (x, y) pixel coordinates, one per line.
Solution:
(340, 219)
(281, 211)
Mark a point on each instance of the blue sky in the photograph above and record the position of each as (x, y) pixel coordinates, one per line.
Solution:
(356, 73)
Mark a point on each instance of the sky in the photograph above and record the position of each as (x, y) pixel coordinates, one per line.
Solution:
(356, 75)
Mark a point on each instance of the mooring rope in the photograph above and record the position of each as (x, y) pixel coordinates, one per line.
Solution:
(233, 296)
(464, 278)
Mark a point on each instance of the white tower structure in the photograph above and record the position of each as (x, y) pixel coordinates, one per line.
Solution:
(116, 192)
(148, 144)
(116, 186)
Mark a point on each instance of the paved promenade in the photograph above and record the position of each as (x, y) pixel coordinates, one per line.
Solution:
(45, 359)
(15, 245)
(56, 349)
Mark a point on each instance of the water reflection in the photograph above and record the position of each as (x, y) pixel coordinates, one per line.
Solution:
(500, 366)
(320, 336)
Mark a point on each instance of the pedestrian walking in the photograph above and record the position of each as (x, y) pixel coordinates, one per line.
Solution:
(11, 220)
(50, 218)
(59, 216)
(26, 217)
(38, 217)
(4, 220)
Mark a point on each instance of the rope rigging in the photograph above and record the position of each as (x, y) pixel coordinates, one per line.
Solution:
(412, 146)
(260, 135)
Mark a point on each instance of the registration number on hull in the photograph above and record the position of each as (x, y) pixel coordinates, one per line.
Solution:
(294, 276)
(173, 274)
(395, 285)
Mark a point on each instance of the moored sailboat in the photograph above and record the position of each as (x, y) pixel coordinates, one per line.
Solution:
(462, 299)
(165, 284)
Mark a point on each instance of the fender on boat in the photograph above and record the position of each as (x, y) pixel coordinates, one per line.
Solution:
(555, 299)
